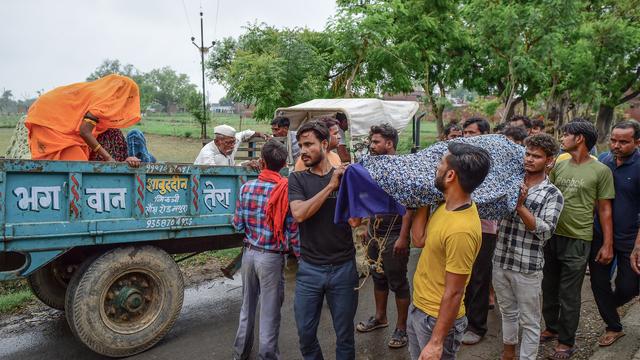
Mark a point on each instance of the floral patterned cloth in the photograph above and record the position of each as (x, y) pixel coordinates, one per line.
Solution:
(114, 143)
(409, 179)
(19, 146)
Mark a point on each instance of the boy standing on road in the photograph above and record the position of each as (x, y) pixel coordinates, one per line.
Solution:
(585, 183)
(519, 257)
(451, 240)
(327, 266)
(262, 213)
(383, 140)
(624, 162)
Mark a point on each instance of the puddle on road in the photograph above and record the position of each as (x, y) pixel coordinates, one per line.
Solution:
(42, 325)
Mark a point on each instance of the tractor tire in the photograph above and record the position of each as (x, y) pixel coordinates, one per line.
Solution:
(49, 285)
(71, 290)
(125, 301)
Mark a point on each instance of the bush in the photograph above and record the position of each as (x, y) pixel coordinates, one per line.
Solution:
(187, 134)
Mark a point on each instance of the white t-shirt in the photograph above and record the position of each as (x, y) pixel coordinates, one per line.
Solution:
(211, 155)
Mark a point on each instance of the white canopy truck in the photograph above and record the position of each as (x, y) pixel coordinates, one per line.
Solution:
(361, 114)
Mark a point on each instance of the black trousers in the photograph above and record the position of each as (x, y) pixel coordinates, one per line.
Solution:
(627, 285)
(476, 298)
(565, 262)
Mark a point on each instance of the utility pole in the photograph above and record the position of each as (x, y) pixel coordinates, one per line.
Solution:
(203, 50)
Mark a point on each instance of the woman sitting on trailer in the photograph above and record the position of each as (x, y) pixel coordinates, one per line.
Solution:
(64, 122)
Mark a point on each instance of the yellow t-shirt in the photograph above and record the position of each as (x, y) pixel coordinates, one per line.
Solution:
(452, 244)
(567, 156)
(334, 159)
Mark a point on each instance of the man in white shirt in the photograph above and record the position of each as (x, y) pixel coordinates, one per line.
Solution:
(222, 150)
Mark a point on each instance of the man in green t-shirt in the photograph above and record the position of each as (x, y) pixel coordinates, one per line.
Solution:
(586, 185)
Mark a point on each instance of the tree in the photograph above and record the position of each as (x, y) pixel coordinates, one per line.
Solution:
(194, 107)
(434, 45)
(364, 60)
(611, 36)
(169, 88)
(225, 101)
(512, 41)
(113, 66)
(6, 101)
(270, 68)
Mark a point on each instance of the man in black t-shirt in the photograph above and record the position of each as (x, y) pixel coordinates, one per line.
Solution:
(393, 249)
(327, 255)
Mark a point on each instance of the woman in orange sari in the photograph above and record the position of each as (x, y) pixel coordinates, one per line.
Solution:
(64, 122)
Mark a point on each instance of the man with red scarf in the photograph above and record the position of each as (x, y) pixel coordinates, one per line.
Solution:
(262, 213)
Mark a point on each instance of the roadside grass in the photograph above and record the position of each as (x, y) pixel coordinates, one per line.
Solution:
(13, 295)
(14, 300)
(223, 256)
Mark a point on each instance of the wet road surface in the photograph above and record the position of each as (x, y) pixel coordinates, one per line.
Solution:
(207, 325)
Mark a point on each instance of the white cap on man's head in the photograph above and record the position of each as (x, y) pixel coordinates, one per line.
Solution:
(224, 130)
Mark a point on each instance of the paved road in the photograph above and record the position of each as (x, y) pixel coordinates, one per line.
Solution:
(206, 329)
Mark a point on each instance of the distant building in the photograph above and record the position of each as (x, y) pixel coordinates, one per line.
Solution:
(216, 108)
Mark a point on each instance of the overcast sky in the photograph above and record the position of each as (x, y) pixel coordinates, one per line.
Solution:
(44, 44)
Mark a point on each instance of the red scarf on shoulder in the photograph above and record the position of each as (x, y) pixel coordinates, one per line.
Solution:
(278, 203)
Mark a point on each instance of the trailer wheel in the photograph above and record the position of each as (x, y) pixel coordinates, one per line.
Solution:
(49, 284)
(126, 300)
(71, 290)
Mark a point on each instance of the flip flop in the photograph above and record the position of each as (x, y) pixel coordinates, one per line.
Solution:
(608, 340)
(547, 338)
(563, 354)
(370, 325)
(398, 339)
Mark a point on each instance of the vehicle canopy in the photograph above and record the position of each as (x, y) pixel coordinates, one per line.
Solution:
(361, 114)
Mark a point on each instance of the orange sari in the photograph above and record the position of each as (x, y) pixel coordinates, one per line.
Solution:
(54, 119)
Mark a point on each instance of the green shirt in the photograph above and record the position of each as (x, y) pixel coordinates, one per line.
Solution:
(582, 186)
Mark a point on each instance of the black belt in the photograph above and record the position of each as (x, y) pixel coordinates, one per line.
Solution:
(256, 248)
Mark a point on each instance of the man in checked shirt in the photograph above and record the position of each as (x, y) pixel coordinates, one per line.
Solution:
(262, 213)
(519, 257)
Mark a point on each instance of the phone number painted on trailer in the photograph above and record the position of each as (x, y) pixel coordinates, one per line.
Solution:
(162, 223)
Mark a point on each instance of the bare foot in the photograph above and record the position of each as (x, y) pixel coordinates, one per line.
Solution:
(509, 352)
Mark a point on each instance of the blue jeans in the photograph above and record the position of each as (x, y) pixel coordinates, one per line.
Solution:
(420, 327)
(337, 283)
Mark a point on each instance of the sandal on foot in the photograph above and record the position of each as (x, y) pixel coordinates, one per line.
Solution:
(399, 339)
(563, 354)
(370, 325)
(547, 338)
(608, 340)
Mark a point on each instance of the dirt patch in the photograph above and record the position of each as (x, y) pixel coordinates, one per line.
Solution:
(173, 149)
(210, 270)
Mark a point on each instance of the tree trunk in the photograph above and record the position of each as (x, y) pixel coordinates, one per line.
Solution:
(510, 109)
(348, 88)
(439, 112)
(524, 106)
(604, 122)
(510, 104)
(436, 109)
(356, 68)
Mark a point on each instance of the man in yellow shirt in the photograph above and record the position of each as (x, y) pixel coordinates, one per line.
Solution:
(451, 238)
(334, 140)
